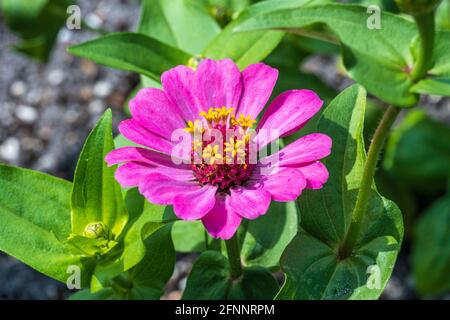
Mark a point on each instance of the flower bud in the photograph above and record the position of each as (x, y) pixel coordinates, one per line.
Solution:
(417, 7)
(95, 230)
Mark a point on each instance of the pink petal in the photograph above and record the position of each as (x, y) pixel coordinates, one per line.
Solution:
(285, 185)
(179, 84)
(289, 112)
(132, 174)
(258, 83)
(161, 189)
(133, 131)
(136, 154)
(218, 83)
(152, 109)
(195, 204)
(222, 222)
(306, 149)
(316, 175)
(249, 202)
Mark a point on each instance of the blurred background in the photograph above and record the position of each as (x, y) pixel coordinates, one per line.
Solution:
(50, 100)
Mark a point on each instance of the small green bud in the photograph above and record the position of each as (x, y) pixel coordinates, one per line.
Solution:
(417, 7)
(195, 61)
(95, 230)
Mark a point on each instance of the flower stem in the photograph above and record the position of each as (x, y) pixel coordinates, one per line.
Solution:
(234, 257)
(362, 199)
(426, 25)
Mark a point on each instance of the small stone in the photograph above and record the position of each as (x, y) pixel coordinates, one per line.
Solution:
(102, 89)
(71, 116)
(10, 149)
(182, 284)
(88, 68)
(26, 114)
(86, 93)
(31, 144)
(93, 20)
(96, 107)
(55, 77)
(34, 96)
(18, 88)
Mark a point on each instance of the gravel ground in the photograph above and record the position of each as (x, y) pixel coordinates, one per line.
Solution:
(46, 112)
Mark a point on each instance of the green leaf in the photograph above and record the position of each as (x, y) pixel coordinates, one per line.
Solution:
(37, 22)
(179, 23)
(313, 267)
(189, 236)
(243, 48)
(435, 86)
(431, 252)
(96, 196)
(132, 52)
(379, 59)
(150, 220)
(429, 143)
(264, 248)
(35, 221)
(210, 279)
(150, 276)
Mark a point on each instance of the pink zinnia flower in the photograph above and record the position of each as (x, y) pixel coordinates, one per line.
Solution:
(220, 189)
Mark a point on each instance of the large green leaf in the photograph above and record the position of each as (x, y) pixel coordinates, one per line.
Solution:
(312, 263)
(263, 248)
(132, 52)
(150, 276)
(37, 22)
(132, 247)
(210, 279)
(146, 280)
(179, 23)
(379, 59)
(96, 195)
(431, 250)
(418, 153)
(35, 222)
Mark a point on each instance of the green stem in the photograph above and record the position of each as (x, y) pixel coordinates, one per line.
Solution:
(234, 257)
(367, 179)
(426, 25)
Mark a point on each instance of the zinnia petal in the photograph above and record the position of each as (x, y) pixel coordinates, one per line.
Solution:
(133, 131)
(258, 83)
(152, 109)
(316, 175)
(287, 113)
(136, 154)
(161, 189)
(302, 151)
(179, 84)
(218, 83)
(285, 185)
(193, 205)
(222, 222)
(250, 202)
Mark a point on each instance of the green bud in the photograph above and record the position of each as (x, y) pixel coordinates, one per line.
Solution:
(195, 61)
(417, 7)
(95, 230)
